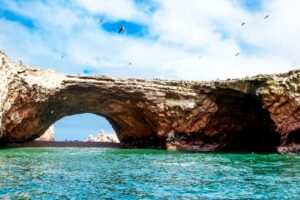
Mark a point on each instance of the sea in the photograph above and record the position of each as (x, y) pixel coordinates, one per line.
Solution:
(107, 173)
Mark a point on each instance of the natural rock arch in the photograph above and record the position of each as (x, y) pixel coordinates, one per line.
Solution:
(201, 116)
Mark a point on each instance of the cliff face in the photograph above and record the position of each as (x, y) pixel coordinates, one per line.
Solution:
(48, 136)
(254, 114)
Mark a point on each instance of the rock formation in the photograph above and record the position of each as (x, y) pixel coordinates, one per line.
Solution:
(260, 113)
(103, 137)
(48, 136)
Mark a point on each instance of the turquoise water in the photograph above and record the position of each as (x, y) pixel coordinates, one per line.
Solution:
(93, 173)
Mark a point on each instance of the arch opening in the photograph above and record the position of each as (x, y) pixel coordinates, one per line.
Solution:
(258, 133)
(84, 127)
(239, 124)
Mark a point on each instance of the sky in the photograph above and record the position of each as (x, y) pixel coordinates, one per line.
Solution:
(171, 39)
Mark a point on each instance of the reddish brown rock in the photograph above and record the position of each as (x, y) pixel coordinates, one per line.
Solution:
(253, 114)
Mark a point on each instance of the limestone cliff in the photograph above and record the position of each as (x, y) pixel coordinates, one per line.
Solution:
(48, 136)
(103, 137)
(260, 113)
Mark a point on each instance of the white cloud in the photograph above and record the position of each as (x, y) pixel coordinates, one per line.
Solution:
(194, 24)
(114, 9)
(184, 31)
(278, 35)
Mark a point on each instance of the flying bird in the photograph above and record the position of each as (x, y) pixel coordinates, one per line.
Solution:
(243, 23)
(237, 54)
(121, 29)
(130, 63)
(266, 17)
(62, 56)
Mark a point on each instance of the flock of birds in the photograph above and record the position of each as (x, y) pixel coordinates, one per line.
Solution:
(121, 29)
(243, 24)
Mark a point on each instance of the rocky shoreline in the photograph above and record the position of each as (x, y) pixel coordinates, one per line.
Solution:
(257, 114)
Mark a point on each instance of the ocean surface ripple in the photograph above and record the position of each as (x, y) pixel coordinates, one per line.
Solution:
(95, 173)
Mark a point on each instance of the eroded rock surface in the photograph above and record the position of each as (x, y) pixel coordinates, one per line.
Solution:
(260, 113)
(48, 136)
(103, 137)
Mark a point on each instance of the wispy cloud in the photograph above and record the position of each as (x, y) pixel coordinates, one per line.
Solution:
(171, 39)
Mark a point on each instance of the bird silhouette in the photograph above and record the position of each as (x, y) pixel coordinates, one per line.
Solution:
(62, 56)
(121, 29)
(243, 23)
(237, 54)
(266, 17)
(130, 63)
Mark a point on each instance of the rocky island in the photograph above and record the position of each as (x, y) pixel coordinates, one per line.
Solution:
(260, 113)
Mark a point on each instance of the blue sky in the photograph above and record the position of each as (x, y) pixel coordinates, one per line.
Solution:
(78, 127)
(173, 39)
(253, 5)
(16, 18)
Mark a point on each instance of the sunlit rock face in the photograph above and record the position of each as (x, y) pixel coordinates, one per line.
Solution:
(253, 114)
(48, 136)
(103, 137)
